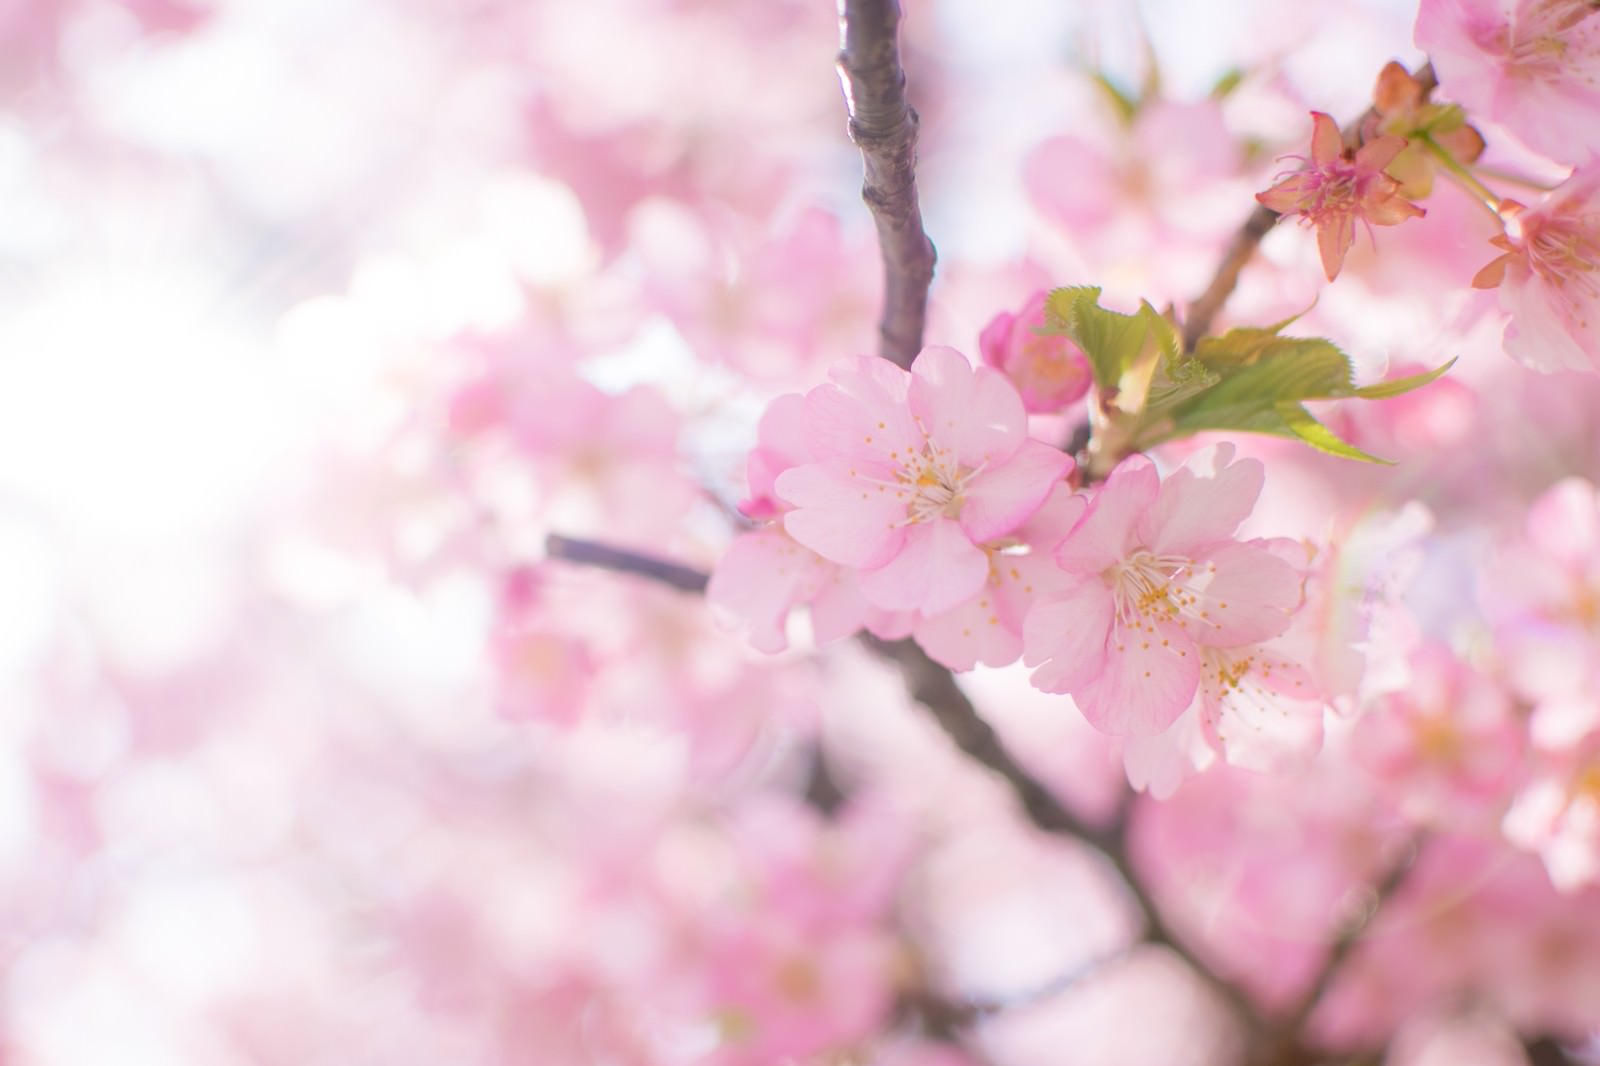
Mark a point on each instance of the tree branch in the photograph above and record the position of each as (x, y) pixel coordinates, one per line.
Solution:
(1245, 242)
(935, 688)
(884, 127)
(1287, 1027)
(588, 553)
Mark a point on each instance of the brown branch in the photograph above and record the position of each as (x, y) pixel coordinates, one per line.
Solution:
(884, 127)
(588, 553)
(935, 688)
(1285, 1030)
(1245, 242)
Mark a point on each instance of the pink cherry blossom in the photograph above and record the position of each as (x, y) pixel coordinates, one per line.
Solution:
(987, 627)
(765, 573)
(1257, 707)
(1338, 187)
(1549, 276)
(1446, 746)
(1049, 371)
(1558, 813)
(913, 472)
(1158, 574)
(1530, 65)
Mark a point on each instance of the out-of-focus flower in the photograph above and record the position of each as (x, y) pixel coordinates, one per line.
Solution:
(1400, 109)
(1337, 187)
(1549, 276)
(1445, 746)
(1049, 370)
(1157, 575)
(1530, 65)
(914, 472)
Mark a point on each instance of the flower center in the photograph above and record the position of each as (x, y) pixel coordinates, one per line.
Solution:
(1147, 588)
(935, 484)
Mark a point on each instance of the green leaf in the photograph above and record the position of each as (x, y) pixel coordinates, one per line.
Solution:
(1123, 103)
(1383, 390)
(1111, 340)
(1243, 343)
(1283, 369)
(1177, 377)
(1320, 437)
(1227, 83)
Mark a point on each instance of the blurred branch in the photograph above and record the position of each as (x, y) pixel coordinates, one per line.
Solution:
(588, 553)
(1245, 242)
(884, 127)
(935, 688)
(1284, 1039)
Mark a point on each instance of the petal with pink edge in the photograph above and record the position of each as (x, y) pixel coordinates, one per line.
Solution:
(1065, 637)
(976, 414)
(1148, 681)
(843, 511)
(1105, 534)
(935, 569)
(1006, 495)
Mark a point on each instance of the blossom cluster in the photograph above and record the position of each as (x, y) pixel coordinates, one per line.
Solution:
(917, 503)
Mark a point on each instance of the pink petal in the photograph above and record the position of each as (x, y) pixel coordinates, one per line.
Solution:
(1065, 637)
(1379, 152)
(841, 514)
(1194, 511)
(1565, 521)
(1105, 534)
(839, 609)
(758, 580)
(972, 632)
(1288, 195)
(993, 340)
(1335, 234)
(1326, 143)
(1269, 724)
(1245, 595)
(935, 569)
(863, 413)
(1050, 524)
(1007, 494)
(976, 414)
(1148, 680)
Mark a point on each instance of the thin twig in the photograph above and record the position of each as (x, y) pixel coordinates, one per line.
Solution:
(1349, 937)
(588, 553)
(884, 127)
(1245, 242)
(1240, 249)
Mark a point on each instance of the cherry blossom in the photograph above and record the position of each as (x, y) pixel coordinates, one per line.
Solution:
(1158, 574)
(987, 627)
(1337, 187)
(1549, 276)
(913, 472)
(1530, 65)
(766, 573)
(1447, 746)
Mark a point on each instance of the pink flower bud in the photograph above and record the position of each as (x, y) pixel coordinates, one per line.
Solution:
(1048, 370)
